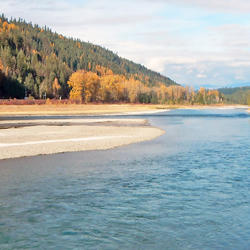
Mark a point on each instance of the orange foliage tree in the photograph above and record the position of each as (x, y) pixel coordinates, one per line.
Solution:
(6, 27)
(76, 82)
(91, 85)
(84, 86)
(111, 88)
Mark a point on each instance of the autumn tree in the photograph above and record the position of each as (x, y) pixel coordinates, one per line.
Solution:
(84, 86)
(76, 82)
(201, 96)
(102, 71)
(91, 85)
(111, 88)
(56, 88)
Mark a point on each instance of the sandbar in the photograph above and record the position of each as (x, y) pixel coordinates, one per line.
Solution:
(35, 137)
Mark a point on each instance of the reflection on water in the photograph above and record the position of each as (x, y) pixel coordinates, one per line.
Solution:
(188, 189)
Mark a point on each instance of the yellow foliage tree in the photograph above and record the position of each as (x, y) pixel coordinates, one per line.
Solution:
(111, 87)
(76, 82)
(101, 71)
(134, 88)
(84, 86)
(8, 27)
(91, 86)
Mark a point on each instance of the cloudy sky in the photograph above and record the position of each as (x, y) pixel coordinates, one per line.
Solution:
(194, 42)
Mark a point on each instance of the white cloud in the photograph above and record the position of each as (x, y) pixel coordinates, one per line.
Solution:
(238, 6)
(201, 76)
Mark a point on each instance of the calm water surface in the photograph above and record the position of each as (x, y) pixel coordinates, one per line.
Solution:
(188, 189)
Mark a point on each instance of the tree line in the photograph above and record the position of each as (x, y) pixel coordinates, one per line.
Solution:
(105, 86)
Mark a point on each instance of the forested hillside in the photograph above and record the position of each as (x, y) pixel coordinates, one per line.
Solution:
(33, 58)
(38, 63)
(239, 95)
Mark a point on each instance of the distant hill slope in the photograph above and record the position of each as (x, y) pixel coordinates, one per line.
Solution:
(238, 85)
(32, 58)
(239, 95)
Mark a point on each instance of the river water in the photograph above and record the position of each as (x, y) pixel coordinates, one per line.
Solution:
(188, 189)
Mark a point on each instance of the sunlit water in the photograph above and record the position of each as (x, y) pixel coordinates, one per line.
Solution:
(188, 189)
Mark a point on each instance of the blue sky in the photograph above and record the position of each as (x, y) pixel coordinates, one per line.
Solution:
(195, 42)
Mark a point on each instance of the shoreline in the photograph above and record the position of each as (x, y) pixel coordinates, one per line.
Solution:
(215, 107)
(100, 109)
(95, 134)
(77, 109)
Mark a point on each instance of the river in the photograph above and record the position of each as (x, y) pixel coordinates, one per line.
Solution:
(188, 189)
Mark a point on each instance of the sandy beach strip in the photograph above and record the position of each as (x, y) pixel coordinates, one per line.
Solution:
(92, 135)
(77, 109)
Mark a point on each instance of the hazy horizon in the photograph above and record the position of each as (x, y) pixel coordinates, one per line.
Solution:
(196, 43)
